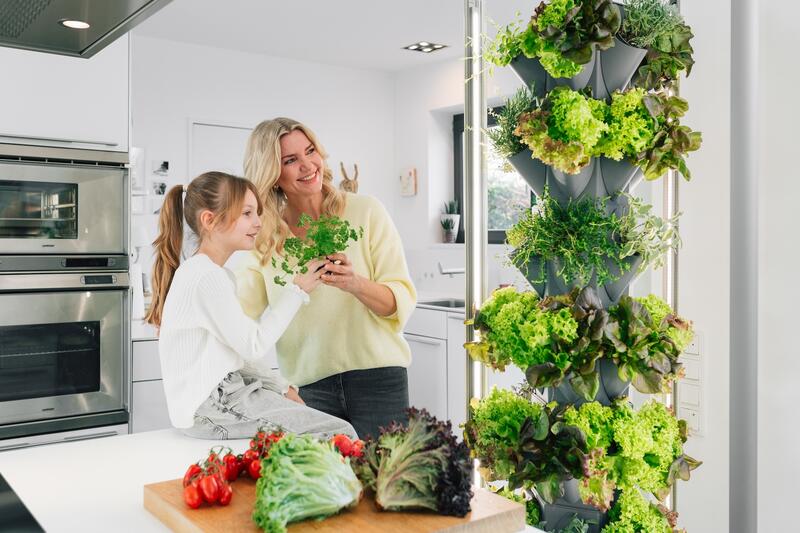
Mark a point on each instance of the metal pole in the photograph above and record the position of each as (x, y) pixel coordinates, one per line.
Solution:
(669, 288)
(475, 192)
(744, 268)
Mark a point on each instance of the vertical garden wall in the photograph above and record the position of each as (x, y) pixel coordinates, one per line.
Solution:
(596, 113)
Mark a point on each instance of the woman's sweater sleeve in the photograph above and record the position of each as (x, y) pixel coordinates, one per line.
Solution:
(389, 264)
(251, 289)
(215, 299)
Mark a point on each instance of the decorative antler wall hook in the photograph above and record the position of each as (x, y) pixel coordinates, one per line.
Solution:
(349, 184)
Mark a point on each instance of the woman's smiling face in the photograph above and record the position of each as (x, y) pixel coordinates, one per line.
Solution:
(301, 165)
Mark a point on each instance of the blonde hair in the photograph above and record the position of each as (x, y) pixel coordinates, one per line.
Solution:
(220, 193)
(262, 166)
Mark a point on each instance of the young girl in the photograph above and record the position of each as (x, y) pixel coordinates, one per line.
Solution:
(213, 356)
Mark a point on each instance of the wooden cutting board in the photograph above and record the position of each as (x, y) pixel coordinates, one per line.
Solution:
(490, 514)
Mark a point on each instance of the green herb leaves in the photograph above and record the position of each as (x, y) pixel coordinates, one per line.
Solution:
(325, 236)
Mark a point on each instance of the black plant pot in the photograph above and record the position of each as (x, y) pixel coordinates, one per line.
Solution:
(531, 72)
(619, 175)
(611, 385)
(577, 82)
(532, 170)
(619, 63)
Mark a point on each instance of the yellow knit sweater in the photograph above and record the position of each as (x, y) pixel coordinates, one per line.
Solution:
(335, 332)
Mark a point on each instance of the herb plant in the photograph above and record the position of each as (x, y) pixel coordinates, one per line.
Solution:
(505, 142)
(648, 21)
(450, 207)
(325, 236)
(585, 240)
(419, 466)
(564, 131)
(447, 224)
(506, 45)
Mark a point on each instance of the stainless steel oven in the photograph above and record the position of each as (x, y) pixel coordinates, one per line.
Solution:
(64, 293)
(52, 203)
(63, 346)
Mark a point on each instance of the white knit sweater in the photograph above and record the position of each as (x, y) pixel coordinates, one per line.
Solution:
(205, 335)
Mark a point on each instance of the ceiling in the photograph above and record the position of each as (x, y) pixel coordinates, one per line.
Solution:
(366, 34)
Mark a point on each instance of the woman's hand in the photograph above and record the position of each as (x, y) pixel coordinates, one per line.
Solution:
(311, 279)
(377, 297)
(293, 395)
(338, 272)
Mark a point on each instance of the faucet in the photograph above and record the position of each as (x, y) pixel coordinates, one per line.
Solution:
(450, 271)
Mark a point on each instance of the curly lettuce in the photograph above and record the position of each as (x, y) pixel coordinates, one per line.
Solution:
(630, 126)
(633, 513)
(663, 317)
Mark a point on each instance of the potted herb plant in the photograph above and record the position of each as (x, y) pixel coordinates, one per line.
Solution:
(658, 27)
(587, 243)
(509, 145)
(449, 220)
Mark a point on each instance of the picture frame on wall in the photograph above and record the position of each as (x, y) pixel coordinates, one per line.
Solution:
(408, 182)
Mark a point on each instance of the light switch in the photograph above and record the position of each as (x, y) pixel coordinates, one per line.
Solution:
(692, 418)
(691, 368)
(688, 394)
(695, 347)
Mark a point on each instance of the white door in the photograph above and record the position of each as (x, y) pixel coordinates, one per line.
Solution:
(427, 374)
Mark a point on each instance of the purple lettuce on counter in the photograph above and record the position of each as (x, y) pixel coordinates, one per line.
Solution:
(419, 466)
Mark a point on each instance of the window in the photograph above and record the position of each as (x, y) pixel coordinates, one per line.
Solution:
(508, 192)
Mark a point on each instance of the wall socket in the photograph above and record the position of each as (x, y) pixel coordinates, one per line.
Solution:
(690, 405)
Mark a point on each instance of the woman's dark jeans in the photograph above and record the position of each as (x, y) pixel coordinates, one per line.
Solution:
(368, 399)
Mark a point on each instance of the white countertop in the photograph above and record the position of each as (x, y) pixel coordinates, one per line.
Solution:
(97, 485)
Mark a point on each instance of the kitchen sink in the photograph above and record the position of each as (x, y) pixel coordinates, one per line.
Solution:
(447, 303)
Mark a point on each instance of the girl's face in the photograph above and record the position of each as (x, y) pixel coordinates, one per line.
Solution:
(241, 235)
(301, 165)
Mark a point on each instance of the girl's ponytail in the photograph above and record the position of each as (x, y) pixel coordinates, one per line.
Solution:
(168, 246)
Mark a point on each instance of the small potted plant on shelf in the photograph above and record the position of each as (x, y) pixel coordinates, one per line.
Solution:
(449, 221)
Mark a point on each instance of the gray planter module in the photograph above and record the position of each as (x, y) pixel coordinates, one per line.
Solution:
(619, 63)
(565, 186)
(577, 82)
(533, 171)
(531, 72)
(619, 175)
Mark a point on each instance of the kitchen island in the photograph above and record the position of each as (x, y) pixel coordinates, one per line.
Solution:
(97, 485)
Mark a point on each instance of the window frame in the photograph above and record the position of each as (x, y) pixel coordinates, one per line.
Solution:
(494, 236)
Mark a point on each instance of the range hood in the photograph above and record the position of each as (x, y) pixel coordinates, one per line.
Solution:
(39, 24)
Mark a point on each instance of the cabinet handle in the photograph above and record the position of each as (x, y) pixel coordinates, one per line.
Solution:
(55, 139)
(423, 340)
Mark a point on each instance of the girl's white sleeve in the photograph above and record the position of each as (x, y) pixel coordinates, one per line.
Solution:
(221, 314)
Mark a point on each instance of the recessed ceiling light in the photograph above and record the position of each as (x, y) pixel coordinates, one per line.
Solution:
(74, 24)
(425, 46)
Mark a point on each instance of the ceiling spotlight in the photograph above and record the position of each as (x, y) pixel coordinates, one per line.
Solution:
(425, 46)
(74, 24)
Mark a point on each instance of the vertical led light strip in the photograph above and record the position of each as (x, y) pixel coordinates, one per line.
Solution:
(669, 288)
(475, 191)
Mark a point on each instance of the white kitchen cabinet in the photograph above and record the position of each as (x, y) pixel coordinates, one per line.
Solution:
(427, 374)
(148, 403)
(69, 102)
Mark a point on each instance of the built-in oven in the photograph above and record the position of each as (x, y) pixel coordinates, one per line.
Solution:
(56, 203)
(63, 352)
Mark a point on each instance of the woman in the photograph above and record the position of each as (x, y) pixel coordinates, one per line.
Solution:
(345, 349)
(212, 355)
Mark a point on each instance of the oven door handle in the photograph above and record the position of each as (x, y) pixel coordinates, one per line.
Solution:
(64, 281)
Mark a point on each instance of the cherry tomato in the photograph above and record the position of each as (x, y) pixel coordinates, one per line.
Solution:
(250, 456)
(254, 469)
(225, 494)
(231, 467)
(191, 496)
(358, 448)
(191, 472)
(209, 488)
(343, 443)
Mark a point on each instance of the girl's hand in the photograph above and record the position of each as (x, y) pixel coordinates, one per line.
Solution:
(338, 272)
(311, 279)
(293, 395)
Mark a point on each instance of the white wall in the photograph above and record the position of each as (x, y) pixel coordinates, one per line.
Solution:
(779, 257)
(351, 110)
(704, 262)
